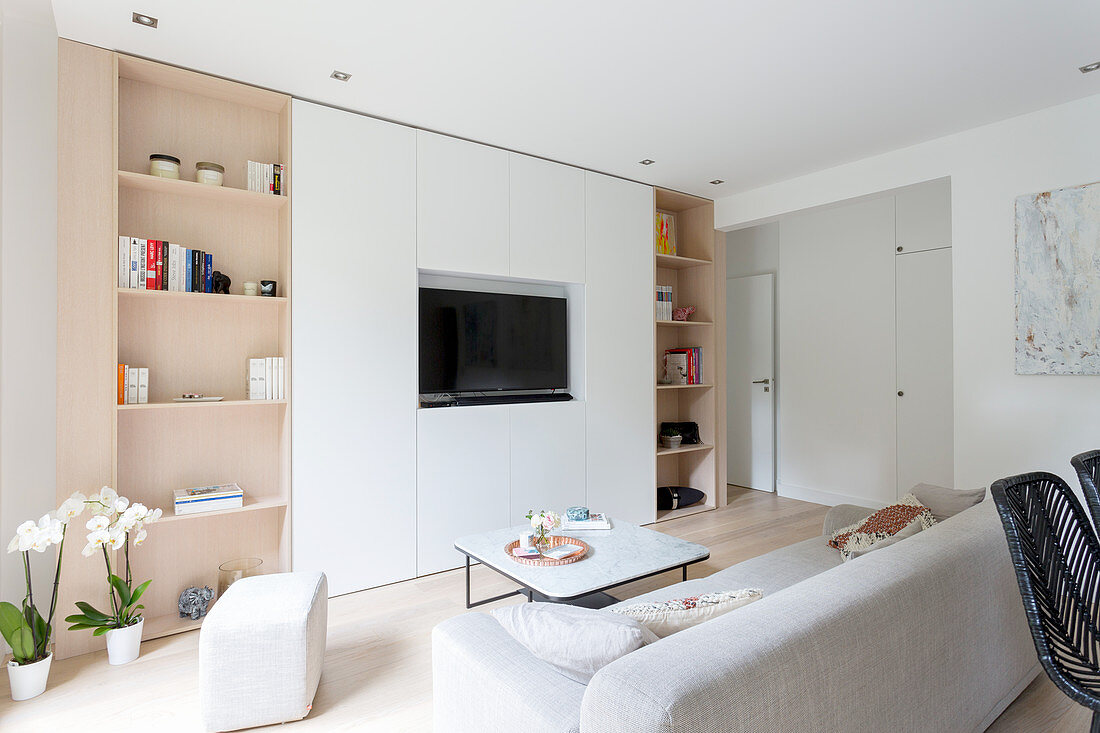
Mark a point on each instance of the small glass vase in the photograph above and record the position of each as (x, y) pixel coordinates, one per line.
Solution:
(542, 541)
(231, 571)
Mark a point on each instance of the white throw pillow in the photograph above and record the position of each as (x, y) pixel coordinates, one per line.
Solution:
(578, 642)
(668, 617)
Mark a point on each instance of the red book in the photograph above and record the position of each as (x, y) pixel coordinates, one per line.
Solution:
(150, 265)
(160, 265)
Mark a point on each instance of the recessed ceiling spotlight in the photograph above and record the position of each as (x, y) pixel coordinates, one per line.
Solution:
(340, 75)
(647, 161)
(146, 20)
(716, 182)
(1090, 67)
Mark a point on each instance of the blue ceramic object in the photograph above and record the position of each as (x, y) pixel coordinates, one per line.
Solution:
(576, 513)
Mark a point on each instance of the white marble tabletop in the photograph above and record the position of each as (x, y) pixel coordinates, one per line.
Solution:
(617, 555)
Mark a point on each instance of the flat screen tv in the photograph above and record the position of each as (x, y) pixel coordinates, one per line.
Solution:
(488, 342)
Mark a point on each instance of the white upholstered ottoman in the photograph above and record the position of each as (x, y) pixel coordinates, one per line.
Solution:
(261, 649)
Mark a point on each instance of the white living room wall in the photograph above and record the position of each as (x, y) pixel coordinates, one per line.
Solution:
(1004, 423)
(28, 289)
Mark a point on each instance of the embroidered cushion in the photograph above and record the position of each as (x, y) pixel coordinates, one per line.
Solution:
(668, 617)
(910, 529)
(884, 523)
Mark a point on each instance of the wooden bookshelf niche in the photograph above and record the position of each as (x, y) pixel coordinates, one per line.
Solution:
(190, 342)
(691, 274)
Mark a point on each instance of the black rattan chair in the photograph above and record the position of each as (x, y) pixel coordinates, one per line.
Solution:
(1057, 560)
(1087, 466)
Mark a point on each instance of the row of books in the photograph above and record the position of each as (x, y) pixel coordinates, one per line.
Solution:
(684, 366)
(207, 499)
(266, 378)
(266, 177)
(664, 302)
(153, 264)
(133, 385)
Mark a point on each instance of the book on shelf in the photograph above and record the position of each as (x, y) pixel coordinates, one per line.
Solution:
(266, 378)
(594, 522)
(664, 302)
(207, 498)
(133, 385)
(266, 177)
(684, 366)
(154, 264)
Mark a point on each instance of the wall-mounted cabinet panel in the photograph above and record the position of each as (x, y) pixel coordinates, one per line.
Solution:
(926, 436)
(924, 217)
(619, 343)
(462, 467)
(547, 458)
(354, 437)
(546, 214)
(462, 206)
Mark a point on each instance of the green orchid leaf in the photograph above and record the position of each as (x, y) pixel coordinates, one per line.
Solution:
(10, 620)
(80, 627)
(100, 631)
(138, 591)
(122, 589)
(89, 611)
(23, 648)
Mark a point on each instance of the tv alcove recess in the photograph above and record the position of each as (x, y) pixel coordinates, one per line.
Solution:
(114, 111)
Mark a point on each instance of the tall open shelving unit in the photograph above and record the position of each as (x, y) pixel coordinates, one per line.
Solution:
(691, 275)
(190, 342)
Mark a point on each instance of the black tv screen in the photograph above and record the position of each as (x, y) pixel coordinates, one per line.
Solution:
(486, 342)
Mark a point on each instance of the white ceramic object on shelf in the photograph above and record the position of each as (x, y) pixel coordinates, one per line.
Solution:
(29, 680)
(124, 645)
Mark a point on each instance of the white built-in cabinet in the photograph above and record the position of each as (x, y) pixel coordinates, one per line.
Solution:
(354, 434)
(546, 220)
(462, 206)
(483, 467)
(865, 348)
(619, 344)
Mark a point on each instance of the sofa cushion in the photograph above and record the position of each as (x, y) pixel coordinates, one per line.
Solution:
(843, 515)
(945, 503)
(576, 641)
(664, 618)
(882, 524)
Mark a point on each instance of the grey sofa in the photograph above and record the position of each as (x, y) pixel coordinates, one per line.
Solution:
(927, 634)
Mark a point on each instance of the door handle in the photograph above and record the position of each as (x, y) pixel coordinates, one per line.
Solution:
(762, 381)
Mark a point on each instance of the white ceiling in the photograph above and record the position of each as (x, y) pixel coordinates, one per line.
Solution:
(748, 91)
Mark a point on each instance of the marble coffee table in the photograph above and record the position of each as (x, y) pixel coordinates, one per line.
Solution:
(622, 554)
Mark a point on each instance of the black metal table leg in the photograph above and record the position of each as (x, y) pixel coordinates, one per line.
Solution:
(685, 569)
(502, 596)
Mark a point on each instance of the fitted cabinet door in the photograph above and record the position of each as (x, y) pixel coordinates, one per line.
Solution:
(546, 220)
(354, 437)
(547, 458)
(462, 467)
(462, 206)
(924, 217)
(619, 365)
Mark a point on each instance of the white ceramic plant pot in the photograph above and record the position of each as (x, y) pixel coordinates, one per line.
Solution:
(29, 680)
(124, 645)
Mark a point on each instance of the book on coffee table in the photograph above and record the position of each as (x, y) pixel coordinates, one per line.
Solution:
(559, 552)
(594, 521)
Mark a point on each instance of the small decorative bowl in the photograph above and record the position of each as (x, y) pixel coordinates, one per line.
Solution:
(683, 313)
(671, 441)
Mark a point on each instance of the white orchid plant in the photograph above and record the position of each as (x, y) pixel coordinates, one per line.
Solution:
(114, 520)
(543, 522)
(27, 633)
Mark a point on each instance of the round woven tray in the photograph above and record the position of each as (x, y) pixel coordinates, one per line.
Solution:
(555, 540)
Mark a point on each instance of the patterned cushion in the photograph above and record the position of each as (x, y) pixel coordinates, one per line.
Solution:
(884, 523)
(668, 617)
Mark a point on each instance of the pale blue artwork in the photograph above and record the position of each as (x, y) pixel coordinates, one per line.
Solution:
(1058, 281)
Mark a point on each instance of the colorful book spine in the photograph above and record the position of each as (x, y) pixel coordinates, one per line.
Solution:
(150, 250)
(189, 274)
(208, 273)
(135, 254)
(122, 382)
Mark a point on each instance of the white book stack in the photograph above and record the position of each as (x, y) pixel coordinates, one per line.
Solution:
(207, 499)
(594, 521)
(266, 378)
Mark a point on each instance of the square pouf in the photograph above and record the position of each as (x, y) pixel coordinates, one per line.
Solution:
(261, 649)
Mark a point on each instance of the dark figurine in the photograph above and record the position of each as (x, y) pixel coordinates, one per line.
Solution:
(221, 283)
(194, 601)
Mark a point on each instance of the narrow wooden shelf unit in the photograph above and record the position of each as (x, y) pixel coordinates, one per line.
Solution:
(177, 187)
(250, 505)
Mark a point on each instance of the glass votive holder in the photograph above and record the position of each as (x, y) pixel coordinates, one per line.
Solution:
(230, 571)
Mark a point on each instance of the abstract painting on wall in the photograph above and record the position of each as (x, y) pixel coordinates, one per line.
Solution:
(1058, 281)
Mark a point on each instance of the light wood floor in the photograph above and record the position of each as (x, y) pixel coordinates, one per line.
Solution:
(377, 672)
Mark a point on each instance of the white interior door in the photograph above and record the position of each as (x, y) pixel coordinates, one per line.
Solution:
(750, 382)
(926, 433)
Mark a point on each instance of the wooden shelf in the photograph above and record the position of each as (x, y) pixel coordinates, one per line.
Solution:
(159, 626)
(684, 386)
(681, 324)
(676, 262)
(683, 449)
(251, 505)
(201, 297)
(194, 405)
(664, 515)
(175, 187)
